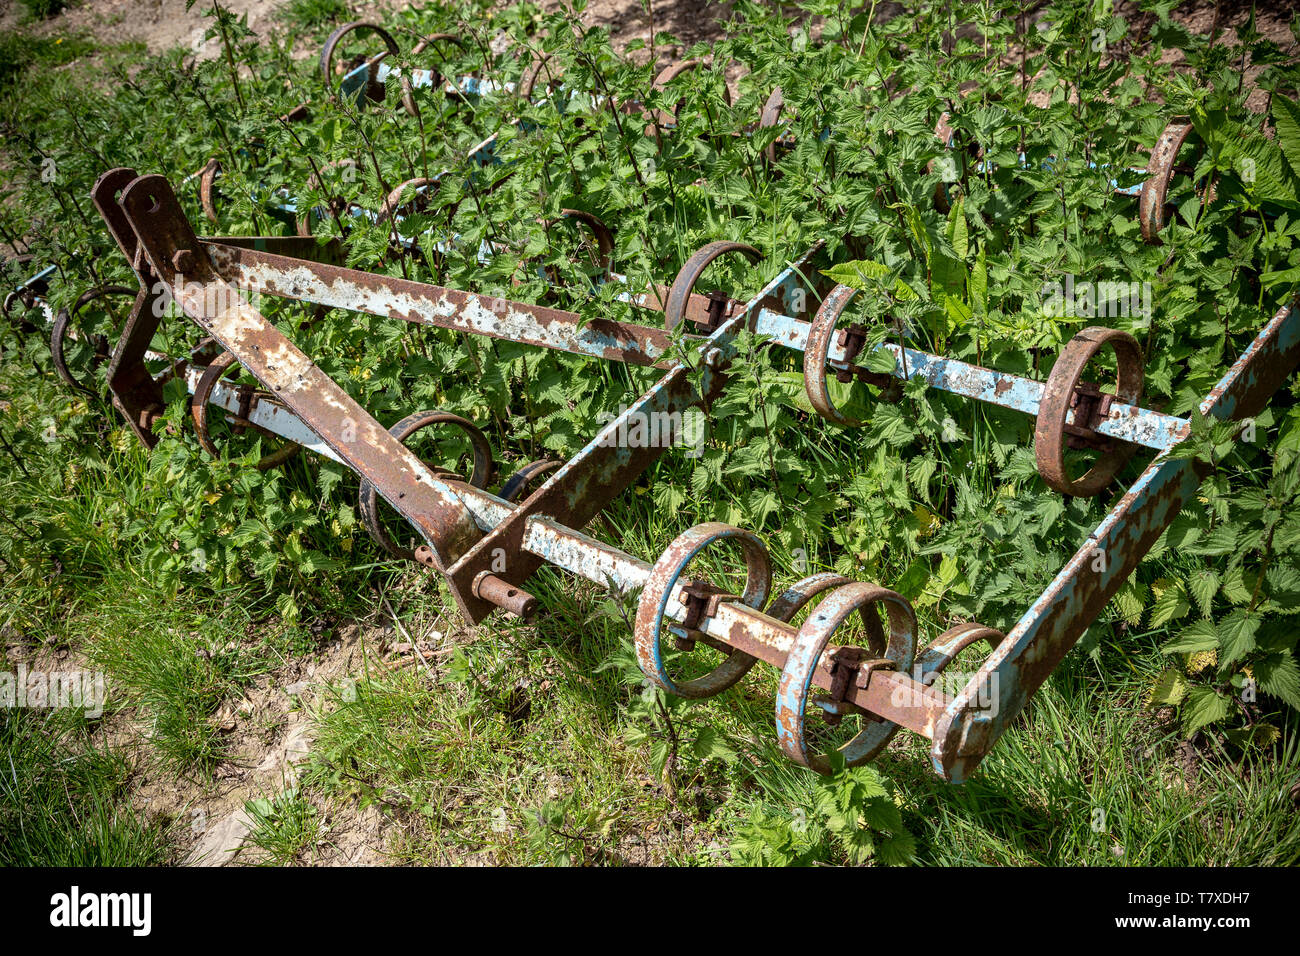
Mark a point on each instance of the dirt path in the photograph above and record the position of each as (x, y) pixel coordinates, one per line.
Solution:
(165, 24)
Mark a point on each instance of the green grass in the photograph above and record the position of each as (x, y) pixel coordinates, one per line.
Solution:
(312, 14)
(44, 9)
(63, 797)
(469, 756)
(284, 827)
(178, 664)
(21, 51)
(453, 759)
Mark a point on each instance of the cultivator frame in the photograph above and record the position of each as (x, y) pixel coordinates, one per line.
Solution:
(487, 546)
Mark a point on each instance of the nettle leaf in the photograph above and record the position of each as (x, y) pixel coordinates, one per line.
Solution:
(1235, 588)
(1131, 600)
(1286, 122)
(1204, 706)
(1204, 584)
(1202, 635)
(890, 426)
(1222, 540)
(860, 274)
(1258, 736)
(1171, 602)
(1279, 675)
(881, 361)
(1237, 635)
(898, 850)
(958, 231)
(1168, 689)
(710, 743)
(1284, 585)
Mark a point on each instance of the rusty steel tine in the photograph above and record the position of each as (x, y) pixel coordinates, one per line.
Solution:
(520, 480)
(208, 188)
(1062, 394)
(769, 117)
(663, 118)
(1160, 172)
(480, 476)
(178, 260)
(541, 63)
(793, 693)
(63, 324)
(199, 412)
(604, 238)
(793, 599)
(661, 587)
(680, 292)
(393, 201)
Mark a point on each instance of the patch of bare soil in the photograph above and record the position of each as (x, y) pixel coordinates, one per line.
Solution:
(268, 734)
(158, 24)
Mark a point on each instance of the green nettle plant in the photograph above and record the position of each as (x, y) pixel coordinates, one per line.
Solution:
(853, 820)
(1238, 652)
(952, 247)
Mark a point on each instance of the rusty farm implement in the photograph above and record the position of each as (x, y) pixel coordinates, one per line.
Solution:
(487, 545)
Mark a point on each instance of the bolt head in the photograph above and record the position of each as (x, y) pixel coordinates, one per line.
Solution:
(183, 260)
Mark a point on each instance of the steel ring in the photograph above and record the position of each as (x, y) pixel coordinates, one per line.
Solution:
(208, 188)
(817, 352)
(1059, 396)
(368, 497)
(931, 662)
(679, 294)
(1160, 173)
(199, 413)
(797, 675)
(373, 90)
(792, 600)
(768, 117)
(659, 590)
(63, 323)
(516, 483)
